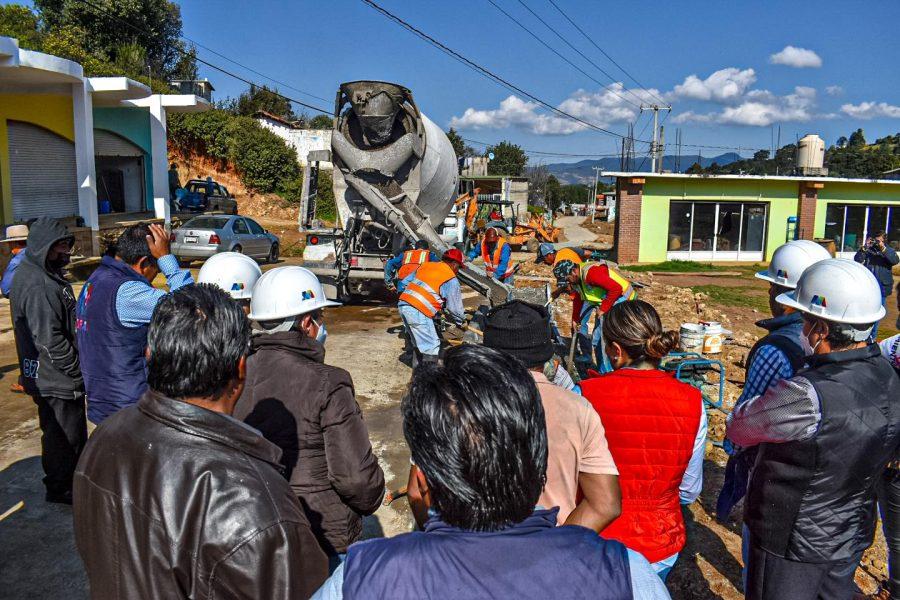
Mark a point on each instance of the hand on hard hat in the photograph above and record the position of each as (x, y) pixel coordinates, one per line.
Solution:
(790, 260)
(287, 292)
(235, 273)
(837, 290)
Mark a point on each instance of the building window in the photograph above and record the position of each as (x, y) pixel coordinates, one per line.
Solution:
(716, 230)
(849, 225)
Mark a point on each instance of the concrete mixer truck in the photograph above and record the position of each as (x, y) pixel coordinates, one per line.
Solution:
(395, 182)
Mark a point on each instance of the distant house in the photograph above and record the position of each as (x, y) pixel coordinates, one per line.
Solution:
(302, 140)
(75, 147)
(195, 87)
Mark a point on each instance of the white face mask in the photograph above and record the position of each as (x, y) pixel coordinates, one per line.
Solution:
(322, 334)
(807, 345)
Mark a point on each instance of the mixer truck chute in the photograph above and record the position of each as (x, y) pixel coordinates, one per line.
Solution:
(395, 182)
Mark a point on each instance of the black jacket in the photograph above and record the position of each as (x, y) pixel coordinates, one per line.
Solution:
(309, 410)
(175, 501)
(43, 313)
(880, 262)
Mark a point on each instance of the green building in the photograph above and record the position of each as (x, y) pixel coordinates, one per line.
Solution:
(675, 216)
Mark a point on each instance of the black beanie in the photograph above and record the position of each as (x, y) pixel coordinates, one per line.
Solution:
(522, 330)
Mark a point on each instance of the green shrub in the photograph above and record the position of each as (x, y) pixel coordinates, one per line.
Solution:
(326, 209)
(204, 133)
(261, 158)
(291, 190)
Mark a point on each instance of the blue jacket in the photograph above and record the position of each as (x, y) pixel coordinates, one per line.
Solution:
(531, 559)
(6, 283)
(112, 355)
(505, 255)
(880, 264)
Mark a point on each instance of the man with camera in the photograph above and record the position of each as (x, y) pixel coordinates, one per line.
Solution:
(877, 256)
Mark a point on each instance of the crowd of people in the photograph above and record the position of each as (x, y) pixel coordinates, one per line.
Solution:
(229, 460)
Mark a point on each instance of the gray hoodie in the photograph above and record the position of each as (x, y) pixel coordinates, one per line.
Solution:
(43, 312)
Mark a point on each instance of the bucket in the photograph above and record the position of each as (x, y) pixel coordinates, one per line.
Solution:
(713, 336)
(692, 335)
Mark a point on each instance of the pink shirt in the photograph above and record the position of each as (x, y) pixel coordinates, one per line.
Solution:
(576, 443)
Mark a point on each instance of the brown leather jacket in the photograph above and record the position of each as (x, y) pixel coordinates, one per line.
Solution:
(175, 501)
(309, 410)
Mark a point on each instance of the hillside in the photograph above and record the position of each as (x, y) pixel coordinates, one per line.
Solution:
(583, 171)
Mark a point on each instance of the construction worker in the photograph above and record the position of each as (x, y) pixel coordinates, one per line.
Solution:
(233, 272)
(824, 438)
(595, 287)
(401, 266)
(496, 254)
(774, 358)
(17, 238)
(432, 288)
(548, 254)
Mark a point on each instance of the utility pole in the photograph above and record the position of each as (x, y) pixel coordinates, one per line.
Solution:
(594, 195)
(654, 146)
(660, 147)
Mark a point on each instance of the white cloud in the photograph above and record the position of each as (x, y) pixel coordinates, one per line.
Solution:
(871, 110)
(795, 57)
(725, 85)
(603, 108)
(761, 108)
(834, 90)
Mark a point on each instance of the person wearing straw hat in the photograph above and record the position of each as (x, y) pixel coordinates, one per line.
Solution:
(825, 436)
(308, 409)
(17, 238)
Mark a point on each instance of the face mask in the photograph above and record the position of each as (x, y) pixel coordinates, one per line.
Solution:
(808, 344)
(323, 333)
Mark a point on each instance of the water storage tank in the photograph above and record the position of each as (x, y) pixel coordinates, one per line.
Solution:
(810, 153)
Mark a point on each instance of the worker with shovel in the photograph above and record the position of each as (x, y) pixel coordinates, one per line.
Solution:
(496, 254)
(432, 288)
(405, 264)
(596, 287)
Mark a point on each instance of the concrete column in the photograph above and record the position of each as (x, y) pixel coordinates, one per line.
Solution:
(85, 169)
(159, 158)
(629, 195)
(807, 197)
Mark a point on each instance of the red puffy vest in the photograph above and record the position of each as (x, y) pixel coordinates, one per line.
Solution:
(651, 422)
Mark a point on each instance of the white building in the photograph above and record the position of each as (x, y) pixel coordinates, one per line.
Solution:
(303, 141)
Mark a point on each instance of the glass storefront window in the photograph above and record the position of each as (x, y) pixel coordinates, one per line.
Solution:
(878, 216)
(834, 224)
(704, 227)
(853, 230)
(754, 229)
(729, 228)
(893, 231)
(679, 226)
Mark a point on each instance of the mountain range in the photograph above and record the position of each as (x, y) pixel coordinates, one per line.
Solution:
(583, 171)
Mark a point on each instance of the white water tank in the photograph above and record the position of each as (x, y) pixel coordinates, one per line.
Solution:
(810, 153)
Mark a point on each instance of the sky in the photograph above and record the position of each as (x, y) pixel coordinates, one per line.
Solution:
(732, 71)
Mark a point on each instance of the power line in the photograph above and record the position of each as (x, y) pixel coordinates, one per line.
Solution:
(482, 70)
(542, 152)
(580, 53)
(205, 62)
(602, 51)
(554, 51)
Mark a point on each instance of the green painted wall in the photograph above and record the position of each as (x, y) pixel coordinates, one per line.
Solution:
(133, 124)
(781, 197)
(853, 193)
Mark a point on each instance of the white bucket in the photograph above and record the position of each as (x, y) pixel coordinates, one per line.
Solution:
(692, 336)
(713, 337)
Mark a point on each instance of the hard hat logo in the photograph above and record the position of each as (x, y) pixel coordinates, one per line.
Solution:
(819, 301)
(237, 286)
(309, 295)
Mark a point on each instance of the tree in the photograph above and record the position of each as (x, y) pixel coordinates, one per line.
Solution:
(537, 184)
(186, 66)
(841, 142)
(552, 193)
(509, 159)
(320, 122)
(857, 139)
(17, 21)
(459, 145)
(695, 169)
(154, 25)
(263, 99)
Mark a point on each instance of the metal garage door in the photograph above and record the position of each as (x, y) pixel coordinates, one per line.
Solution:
(110, 144)
(43, 176)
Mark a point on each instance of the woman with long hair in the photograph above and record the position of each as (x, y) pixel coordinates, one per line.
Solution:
(656, 430)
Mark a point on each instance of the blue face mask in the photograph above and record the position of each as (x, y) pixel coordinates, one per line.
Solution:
(323, 333)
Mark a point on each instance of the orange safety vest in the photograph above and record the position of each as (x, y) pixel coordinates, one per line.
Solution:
(492, 262)
(411, 261)
(567, 254)
(424, 291)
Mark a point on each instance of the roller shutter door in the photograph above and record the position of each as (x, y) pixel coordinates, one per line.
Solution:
(43, 176)
(110, 144)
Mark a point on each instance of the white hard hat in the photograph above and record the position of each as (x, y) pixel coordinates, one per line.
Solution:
(233, 272)
(837, 290)
(790, 260)
(287, 292)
